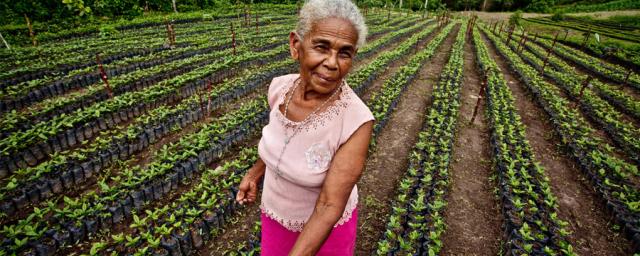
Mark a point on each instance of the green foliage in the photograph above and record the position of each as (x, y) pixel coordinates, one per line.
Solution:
(558, 16)
(609, 6)
(543, 6)
(515, 20)
(77, 6)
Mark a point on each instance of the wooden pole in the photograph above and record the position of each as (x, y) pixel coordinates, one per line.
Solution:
(546, 59)
(246, 21)
(257, 24)
(103, 76)
(509, 37)
(586, 39)
(233, 38)
(522, 44)
(31, 34)
(535, 38)
(202, 108)
(626, 78)
(208, 97)
(5, 42)
(483, 86)
(585, 83)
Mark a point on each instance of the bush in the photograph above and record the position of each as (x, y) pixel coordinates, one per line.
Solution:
(558, 16)
(515, 19)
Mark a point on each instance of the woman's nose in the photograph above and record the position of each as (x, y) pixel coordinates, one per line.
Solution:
(331, 62)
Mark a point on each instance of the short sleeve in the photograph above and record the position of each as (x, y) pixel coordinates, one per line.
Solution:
(356, 114)
(272, 95)
(276, 86)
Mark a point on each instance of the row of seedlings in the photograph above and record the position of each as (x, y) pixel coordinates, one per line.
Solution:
(384, 102)
(416, 222)
(612, 177)
(188, 222)
(136, 78)
(60, 224)
(27, 148)
(124, 83)
(616, 97)
(99, 181)
(74, 168)
(529, 207)
(33, 91)
(70, 56)
(609, 70)
(34, 184)
(40, 187)
(623, 132)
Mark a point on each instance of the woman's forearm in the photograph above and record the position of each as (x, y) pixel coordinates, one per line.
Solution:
(258, 169)
(317, 229)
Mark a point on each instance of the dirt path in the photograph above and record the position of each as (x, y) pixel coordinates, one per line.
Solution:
(578, 202)
(395, 65)
(389, 161)
(473, 217)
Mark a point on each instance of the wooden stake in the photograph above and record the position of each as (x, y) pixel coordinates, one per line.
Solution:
(208, 97)
(202, 109)
(103, 76)
(5, 42)
(31, 34)
(483, 86)
(246, 21)
(233, 38)
(509, 37)
(535, 38)
(585, 83)
(522, 44)
(626, 78)
(586, 39)
(257, 24)
(546, 59)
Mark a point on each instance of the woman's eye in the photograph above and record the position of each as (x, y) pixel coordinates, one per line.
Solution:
(345, 55)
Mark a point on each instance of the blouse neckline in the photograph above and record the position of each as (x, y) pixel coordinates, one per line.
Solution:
(332, 109)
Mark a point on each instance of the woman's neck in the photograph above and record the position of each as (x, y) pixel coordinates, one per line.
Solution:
(308, 94)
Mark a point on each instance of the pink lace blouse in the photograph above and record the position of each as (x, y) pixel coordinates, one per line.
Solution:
(290, 196)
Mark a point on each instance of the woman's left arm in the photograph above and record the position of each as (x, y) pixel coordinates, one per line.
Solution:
(344, 172)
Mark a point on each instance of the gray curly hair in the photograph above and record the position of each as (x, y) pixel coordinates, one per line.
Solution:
(315, 10)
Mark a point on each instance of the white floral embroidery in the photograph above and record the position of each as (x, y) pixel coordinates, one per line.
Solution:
(318, 157)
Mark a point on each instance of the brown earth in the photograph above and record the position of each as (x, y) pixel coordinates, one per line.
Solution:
(579, 205)
(472, 216)
(387, 164)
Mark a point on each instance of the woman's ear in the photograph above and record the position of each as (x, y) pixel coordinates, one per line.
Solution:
(294, 45)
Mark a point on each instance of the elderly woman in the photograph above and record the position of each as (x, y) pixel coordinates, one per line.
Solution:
(313, 150)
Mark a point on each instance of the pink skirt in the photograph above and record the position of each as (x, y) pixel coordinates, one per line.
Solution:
(276, 240)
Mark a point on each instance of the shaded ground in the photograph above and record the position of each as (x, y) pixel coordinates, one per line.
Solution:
(389, 161)
(579, 204)
(472, 215)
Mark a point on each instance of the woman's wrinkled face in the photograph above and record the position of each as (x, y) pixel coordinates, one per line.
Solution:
(326, 53)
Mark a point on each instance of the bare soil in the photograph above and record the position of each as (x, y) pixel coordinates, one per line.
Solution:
(389, 161)
(472, 216)
(589, 223)
(395, 65)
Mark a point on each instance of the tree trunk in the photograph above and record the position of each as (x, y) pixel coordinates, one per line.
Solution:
(400, 4)
(173, 4)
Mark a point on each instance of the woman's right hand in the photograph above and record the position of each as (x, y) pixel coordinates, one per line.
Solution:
(248, 189)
